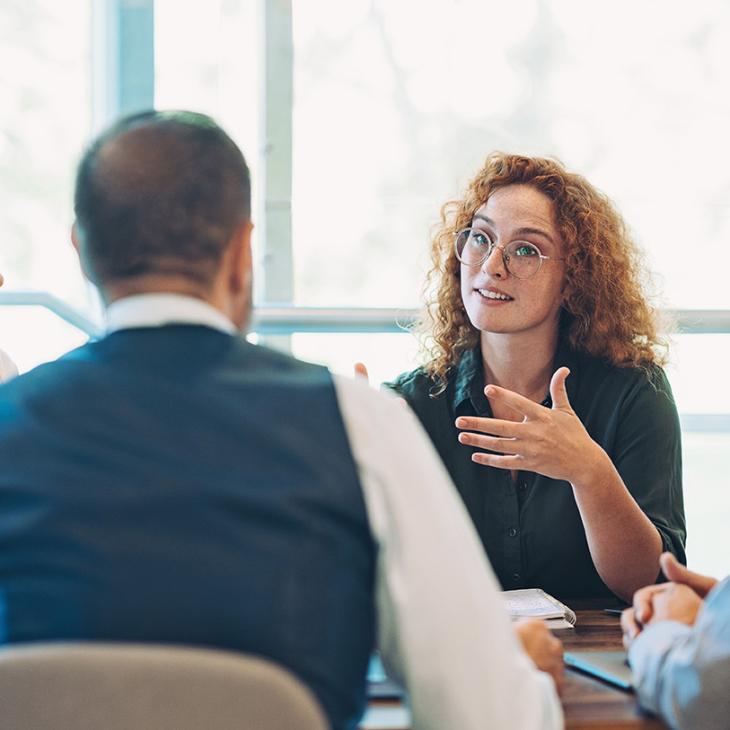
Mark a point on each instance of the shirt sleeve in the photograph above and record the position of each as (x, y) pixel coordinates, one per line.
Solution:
(442, 627)
(682, 673)
(7, 367)
(648, 456)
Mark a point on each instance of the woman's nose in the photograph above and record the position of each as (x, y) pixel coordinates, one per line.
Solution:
(493, 265)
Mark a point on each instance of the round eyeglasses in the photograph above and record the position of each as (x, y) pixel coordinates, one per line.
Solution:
(521, 258)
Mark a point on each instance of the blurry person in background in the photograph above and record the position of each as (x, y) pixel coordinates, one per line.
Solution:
(7, 366)
(543, 390)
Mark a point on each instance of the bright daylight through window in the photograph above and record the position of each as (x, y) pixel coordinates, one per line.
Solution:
(389, 117)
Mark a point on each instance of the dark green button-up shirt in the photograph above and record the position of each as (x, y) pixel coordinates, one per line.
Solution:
(531, 528)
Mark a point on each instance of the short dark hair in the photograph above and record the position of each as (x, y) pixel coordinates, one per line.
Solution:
(160, 192)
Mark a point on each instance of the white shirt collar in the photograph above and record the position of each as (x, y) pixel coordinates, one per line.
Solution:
(157, 310)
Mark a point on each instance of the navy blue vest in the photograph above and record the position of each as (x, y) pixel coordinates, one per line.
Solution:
(178, 484)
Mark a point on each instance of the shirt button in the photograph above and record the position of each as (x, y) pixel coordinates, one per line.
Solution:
(516, 577)
(512, 532)
(523, 486)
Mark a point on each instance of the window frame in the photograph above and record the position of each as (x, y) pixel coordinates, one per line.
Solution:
(123, 81)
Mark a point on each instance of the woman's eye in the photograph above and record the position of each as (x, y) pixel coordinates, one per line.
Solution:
(480, 239)
(525, 249)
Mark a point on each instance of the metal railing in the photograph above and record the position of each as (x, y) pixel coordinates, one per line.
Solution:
(53, 304)
(277, 321)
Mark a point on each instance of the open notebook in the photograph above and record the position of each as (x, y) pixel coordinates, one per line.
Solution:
(535, 603)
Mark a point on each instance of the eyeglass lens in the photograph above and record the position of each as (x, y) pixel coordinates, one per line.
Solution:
(521, 258)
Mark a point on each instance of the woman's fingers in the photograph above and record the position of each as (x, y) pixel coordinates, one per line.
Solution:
(546, 440)
(515, 401)
(500, 462)
(502, 446)
(493, 426)
(558, 392)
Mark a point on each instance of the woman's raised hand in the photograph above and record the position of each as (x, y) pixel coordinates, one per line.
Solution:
(549, 441)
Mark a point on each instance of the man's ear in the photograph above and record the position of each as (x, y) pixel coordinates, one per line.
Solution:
(75, 237)
(241, 270)
(76, 241)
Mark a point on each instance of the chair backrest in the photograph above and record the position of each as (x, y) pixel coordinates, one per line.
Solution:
(99, 686)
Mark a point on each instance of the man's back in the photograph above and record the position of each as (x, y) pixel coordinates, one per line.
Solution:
(173, 483)
(178, 484)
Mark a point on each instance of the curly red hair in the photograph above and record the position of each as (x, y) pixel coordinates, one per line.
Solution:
(605, 311)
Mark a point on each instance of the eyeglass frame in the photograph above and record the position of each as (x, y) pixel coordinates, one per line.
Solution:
(505, 255)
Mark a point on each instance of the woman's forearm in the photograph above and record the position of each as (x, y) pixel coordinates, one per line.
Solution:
(623, 542)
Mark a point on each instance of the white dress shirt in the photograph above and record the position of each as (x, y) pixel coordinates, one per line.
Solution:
(442, 626)
(7, 367)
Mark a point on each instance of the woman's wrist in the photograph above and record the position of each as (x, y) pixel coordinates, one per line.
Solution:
(593, 468)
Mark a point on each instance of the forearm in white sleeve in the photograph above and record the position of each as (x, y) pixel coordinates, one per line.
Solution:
(442, 624)
(683, 673)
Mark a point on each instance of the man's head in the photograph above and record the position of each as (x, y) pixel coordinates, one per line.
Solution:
(163, 203)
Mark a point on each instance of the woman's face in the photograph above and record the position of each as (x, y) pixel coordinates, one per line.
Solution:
(515, 213)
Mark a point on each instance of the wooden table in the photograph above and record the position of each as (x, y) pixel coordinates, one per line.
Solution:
(589, 704)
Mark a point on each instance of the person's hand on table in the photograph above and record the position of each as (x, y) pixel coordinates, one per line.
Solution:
(664, 602)
(543, 648)
(679, 600)
(677, 603)
(545, 441)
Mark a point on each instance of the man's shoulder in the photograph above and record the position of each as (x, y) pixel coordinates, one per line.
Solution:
(414, 385)
(362, 398)
(382, 429)
(278, 361)
(126, 355)
(48, 380)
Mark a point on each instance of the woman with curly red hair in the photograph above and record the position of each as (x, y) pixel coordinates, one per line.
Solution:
(544, 392)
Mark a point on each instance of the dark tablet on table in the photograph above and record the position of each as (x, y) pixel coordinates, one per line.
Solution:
(610, 666)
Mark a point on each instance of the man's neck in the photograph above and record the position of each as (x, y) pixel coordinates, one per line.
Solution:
(158, 284)
(216, 295)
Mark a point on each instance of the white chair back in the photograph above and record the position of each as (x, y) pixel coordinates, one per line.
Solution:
(94, 686)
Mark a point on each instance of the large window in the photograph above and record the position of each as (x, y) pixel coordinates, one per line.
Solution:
(395, 108)
(207, 59)
(45, 119)
(358, 120)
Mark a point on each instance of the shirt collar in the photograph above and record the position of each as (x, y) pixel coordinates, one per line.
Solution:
(157, 310)
(469, 379)
(469, 382)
